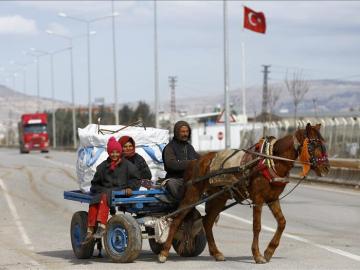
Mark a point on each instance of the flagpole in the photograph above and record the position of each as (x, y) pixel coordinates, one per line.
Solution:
(226, 79)
(243, 78)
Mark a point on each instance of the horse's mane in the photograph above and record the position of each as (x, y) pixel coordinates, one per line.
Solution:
(283, 144)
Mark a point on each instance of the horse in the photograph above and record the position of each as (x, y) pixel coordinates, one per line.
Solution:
(306, 144)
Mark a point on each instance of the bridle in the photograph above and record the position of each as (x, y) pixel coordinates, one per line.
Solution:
(312, 145)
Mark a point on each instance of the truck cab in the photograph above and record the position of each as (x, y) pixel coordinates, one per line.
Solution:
(33, 133)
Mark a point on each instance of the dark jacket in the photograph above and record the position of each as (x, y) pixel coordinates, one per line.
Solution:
(177, 154)
(141, 165)
(124, 176)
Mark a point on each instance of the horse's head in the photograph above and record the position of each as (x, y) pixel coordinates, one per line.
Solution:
(311, 139)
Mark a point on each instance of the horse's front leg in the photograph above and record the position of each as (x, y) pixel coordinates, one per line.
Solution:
(256, 231)
(281, 222)
(213, 209)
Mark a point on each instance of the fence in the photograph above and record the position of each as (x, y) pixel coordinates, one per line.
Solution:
(342, 134)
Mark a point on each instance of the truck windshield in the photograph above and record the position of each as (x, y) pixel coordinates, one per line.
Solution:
(35, 128)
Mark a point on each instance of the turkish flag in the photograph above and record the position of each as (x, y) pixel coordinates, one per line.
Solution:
(254, 21)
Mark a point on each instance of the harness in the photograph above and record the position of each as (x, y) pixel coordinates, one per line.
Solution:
(266, 165)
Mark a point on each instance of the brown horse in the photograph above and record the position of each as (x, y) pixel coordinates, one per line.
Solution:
(305, 142)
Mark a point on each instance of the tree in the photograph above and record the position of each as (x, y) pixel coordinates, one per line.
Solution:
(274, 95)
(297, 87)
(143, 112)
(125, 115)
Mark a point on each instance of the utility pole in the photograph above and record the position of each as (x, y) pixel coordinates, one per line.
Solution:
(265, 100)
(172, 83)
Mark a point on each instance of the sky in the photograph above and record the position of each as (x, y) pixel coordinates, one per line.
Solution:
(320, 38)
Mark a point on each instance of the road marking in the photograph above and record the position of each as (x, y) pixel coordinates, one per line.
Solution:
(297, 238)
(347, 192)
(17, 220)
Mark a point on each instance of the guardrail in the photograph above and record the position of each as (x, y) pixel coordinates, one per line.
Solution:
(342, 171)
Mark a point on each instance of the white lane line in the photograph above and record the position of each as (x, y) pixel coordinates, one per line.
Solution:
(297, 238)
(15, 215)
(347, 192)
(17, 219)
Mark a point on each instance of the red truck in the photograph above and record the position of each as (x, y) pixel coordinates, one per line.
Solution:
(33, 132)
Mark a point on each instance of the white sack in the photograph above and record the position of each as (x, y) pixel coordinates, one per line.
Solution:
(92, 149)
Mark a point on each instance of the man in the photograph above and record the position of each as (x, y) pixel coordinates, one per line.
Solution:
(177, 155)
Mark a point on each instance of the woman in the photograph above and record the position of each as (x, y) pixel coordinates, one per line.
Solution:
(114, 173)
(128, 145)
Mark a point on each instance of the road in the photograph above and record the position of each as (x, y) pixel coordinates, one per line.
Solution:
(322, 232)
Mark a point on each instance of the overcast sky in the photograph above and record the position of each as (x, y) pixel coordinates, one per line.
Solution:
(321, 38)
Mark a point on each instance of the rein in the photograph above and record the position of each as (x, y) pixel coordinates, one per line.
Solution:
(275, 157)
(230, 170)
(268, 203)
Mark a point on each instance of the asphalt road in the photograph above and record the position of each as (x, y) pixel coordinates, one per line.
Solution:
(322, 232)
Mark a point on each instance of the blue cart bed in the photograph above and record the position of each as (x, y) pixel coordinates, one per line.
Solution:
(141, 202)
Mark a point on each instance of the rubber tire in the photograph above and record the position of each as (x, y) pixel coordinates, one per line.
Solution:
(78, 230)
(200, 242)
(155, 247)
(123, 226)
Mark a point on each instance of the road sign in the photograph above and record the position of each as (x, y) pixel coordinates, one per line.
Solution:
(221, 118)
(220, 135)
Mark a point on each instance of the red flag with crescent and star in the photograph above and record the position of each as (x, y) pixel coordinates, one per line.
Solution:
(254, 21)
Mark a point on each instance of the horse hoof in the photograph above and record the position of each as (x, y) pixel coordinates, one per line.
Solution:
(219, 257)
(260, 260)
(268, 255)
(162, 258)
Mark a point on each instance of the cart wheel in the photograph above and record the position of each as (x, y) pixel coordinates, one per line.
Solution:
(78, 231)
(193, 246)
(123, 239)
(154, 246)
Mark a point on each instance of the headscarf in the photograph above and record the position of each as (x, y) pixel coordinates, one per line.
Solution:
(125, 139)
(113, 145)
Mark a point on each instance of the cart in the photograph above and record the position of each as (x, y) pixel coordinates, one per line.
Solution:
(133, 222)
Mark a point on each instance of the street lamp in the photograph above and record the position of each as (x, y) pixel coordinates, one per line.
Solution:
(37, 54)
(87, 23)
(51, 54)
(70, 39)
(22, 67)
(116, 105)
(156, 70)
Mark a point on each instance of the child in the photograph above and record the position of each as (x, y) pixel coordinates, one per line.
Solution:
(114, 173)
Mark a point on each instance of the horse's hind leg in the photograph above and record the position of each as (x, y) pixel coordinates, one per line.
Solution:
(176, 223)
(281, 222)
(173, 229)
(256, 231)
(213, 209)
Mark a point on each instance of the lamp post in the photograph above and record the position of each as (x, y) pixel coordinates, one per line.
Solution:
(51, 54)
(37, 54)
(70, 39)
(87, 23)
(226, 79)
(116, 104)
(22, 67)
(156, 71)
